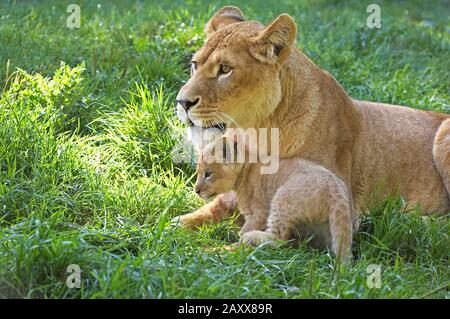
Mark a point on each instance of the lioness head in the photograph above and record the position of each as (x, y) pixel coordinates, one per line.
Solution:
(235, 76)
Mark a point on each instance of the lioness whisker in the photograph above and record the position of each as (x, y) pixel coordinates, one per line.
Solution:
(226, 116)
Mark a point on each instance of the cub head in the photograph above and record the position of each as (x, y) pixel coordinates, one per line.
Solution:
(235, 76)
(218, 168)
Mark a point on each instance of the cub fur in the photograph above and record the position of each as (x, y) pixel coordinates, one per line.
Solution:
(302, 198)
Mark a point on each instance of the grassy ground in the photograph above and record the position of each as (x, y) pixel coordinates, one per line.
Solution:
(86, 175)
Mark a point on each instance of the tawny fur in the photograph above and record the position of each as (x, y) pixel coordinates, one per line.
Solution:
(301, 198)
(375, 149)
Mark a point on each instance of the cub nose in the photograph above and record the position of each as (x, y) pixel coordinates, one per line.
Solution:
(188, 103)
(197, 190)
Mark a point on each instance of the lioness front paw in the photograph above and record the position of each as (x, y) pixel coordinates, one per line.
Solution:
(191, 220)
(256, 238)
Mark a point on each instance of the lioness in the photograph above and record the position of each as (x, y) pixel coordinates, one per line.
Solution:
(248, 75)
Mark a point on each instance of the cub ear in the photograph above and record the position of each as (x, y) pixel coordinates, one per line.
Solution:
(275, 41)
(224, 16)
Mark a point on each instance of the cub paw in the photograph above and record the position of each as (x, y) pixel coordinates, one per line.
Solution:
(256, 238)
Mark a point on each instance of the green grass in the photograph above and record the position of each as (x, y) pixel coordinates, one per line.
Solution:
(86, 175)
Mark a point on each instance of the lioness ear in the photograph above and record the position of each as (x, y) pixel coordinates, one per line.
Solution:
(224, 16)
(274, 43)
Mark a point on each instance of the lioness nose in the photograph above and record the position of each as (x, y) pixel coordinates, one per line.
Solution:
(188, 103)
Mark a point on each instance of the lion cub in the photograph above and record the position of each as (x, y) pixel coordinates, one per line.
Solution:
(302, 198)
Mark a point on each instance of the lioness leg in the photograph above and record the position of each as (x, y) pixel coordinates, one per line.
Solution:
(220, 208)
(441, 152)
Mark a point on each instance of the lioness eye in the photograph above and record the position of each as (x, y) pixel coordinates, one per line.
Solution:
(224, 69)
(207, 174)
(193, 66)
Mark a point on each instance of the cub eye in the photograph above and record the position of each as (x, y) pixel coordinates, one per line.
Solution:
(224, 69)
(208, 174)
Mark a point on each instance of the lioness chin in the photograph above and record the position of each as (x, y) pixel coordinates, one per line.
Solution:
(250, 75)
